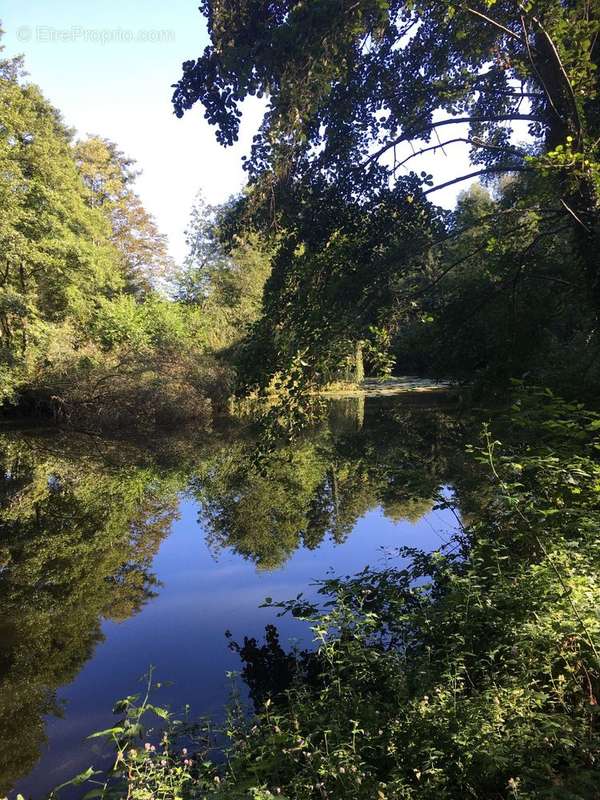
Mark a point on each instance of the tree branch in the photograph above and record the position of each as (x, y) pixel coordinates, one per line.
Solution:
(496, 24)
(574, 215)
(451, 121)
(523, 255)
(465, 140)
(461, 260)
(486, 171)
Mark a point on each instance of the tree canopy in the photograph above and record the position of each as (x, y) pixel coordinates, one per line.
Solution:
(356, 94)
(89, 328)
(109, 176)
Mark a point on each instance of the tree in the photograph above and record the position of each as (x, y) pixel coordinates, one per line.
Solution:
(501, 299)
(206, 256)
(109, 177)
(223, 274)
(348, 85)
(351, 88)
(56, 250)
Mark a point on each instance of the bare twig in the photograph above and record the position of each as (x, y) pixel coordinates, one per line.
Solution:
(425, 129)
(486, 171)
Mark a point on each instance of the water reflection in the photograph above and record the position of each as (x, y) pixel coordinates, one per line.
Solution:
(78, 540)
(323, 484)
(82, 521)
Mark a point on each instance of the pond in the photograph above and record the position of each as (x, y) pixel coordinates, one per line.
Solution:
(117, 554)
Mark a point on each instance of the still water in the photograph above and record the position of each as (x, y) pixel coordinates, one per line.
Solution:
(115, 555)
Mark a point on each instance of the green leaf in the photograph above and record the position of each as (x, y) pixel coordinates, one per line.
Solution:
(93, 793)
(107, 732)
(79, 779)
(160, 712)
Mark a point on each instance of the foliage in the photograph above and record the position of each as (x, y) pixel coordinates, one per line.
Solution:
(88, 332)
(474, 671)
(224, 280)
(56, 251)
(108, 177)
(358, 244)
(74, 237)
(162, 770)
(500, 300)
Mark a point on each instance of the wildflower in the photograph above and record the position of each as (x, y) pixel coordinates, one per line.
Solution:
(163, 762)
(147, 747)
(133, 753)
(184, 751)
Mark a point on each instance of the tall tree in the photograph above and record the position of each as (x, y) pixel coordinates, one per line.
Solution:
(349, 83)
(224, 273)
(55, 250)
(109, 178)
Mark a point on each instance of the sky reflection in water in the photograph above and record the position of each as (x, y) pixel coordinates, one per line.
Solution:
(203, 593)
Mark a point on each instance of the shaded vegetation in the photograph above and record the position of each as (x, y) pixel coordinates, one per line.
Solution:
(362, 102)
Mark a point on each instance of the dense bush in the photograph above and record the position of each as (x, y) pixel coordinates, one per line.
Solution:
(135, 365)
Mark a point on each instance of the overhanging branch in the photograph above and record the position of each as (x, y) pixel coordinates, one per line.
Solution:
(496, 24)
(486, 171)
(465, 140)
(416, 133)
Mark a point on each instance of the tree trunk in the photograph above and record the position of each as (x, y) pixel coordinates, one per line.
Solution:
(359, 366)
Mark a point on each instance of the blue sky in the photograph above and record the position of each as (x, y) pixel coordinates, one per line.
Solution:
(121, 89)
(90, 62)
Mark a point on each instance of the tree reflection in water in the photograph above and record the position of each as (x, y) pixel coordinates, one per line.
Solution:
(81, 520)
